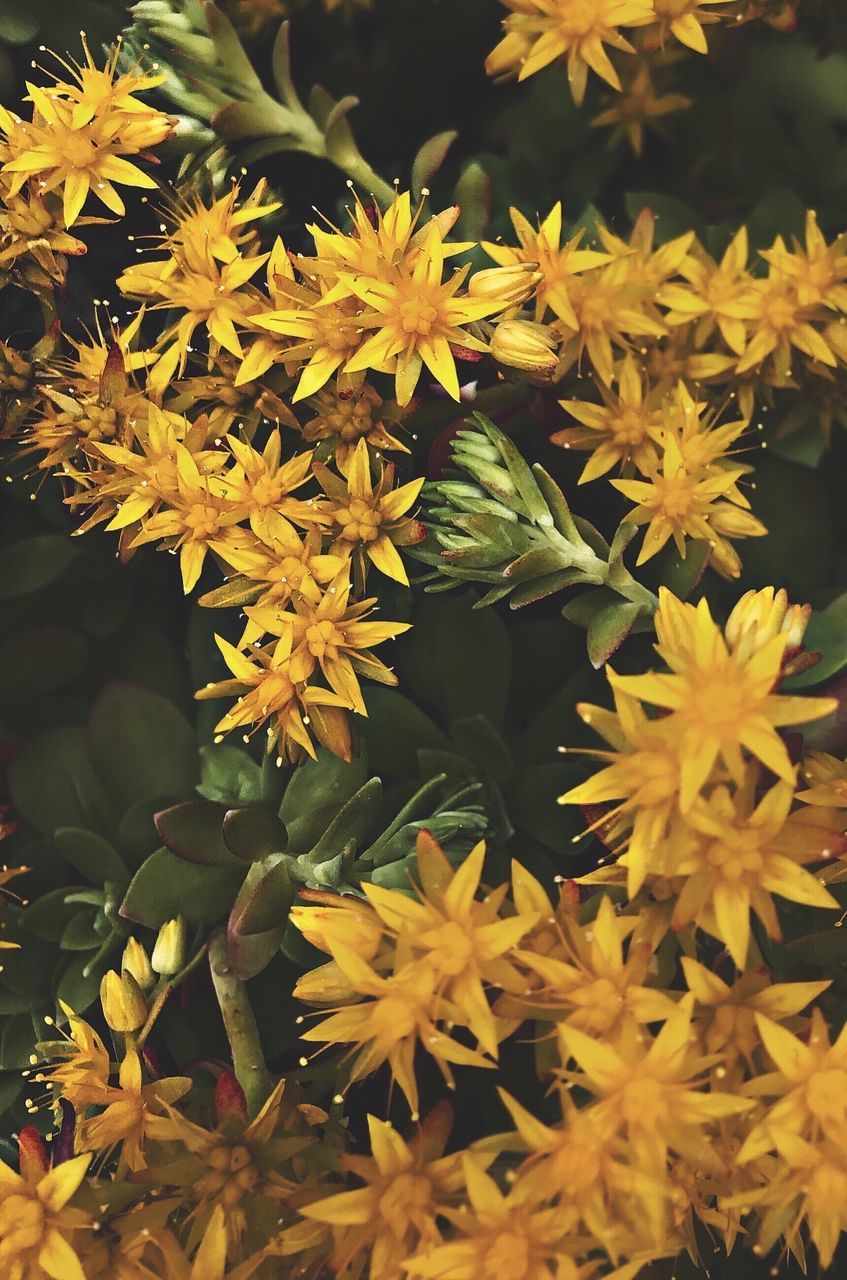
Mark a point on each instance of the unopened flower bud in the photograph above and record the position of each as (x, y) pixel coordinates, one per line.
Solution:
(510, 285)
(136, 961)
(521, 344)
(124, 1006)
(169, 952)
(760, 615)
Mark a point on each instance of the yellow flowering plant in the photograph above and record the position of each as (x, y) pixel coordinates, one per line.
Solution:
(356, 928)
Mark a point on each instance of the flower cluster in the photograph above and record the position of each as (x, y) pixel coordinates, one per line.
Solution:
(77, 143)
(580, 34)
(671, 337)
(703, 822)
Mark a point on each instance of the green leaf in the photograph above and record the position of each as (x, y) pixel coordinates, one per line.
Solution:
(394, 730)
(608, 629)
(137, 836)
(94, 858)
(48, 917)
(259, 916)
(52, 783)
(473, 196)
(476, 737)
(316, 792)
(194, 832)
(78, 985)
(80, 934)
(429, 160)
(35, 563)
(464, 656)
(166, 886)
(17, 1037)
(349, 826)
(251, 834)
(141, 744)
(228, 775)
(531, 800)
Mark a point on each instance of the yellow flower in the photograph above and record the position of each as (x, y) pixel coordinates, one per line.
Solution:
(330, 918)
(192, 517)
(385, 276)
(539, 32)
(369, 521)
(511, 1237)
(714, 295)
(819, 271)
(736, 853)
(637, 107)
(272, 575)
(416, 316)
(81, 134)
(94, 90)
(611, 308)
(810, 1185)
(719, 701)
(678, 502)
(127, 1109)
(78, 1068)
(326, 335)
(778, 321)
(38, 1227)
(378, 240)
(344, 417)
(394, 1213)
(625, 429)
(232, 1167)
(575, 1163)
(650, 1091)
(586, 981)
(460, 940)
(265, 691)
(642, 773)
(30, 225)
(725, 1013)
(210, 1260)
(685, 20)
(331, 634)
(124, 1005)
(557, 264)
(260, 486)
(808, 1084)
(395, 1014)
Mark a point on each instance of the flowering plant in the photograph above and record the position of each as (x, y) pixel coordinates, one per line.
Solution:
(438, 869)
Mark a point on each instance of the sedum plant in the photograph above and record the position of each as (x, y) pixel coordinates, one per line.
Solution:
(435, 866)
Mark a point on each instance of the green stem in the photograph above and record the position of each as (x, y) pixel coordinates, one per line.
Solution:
(637, 593)
(366, 178)
(240, 1024)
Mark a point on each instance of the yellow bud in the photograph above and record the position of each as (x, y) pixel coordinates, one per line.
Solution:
(124, 1006)
(510, 285)
(521, 344)
(169, 952)
(760, 615)
(136, 961)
